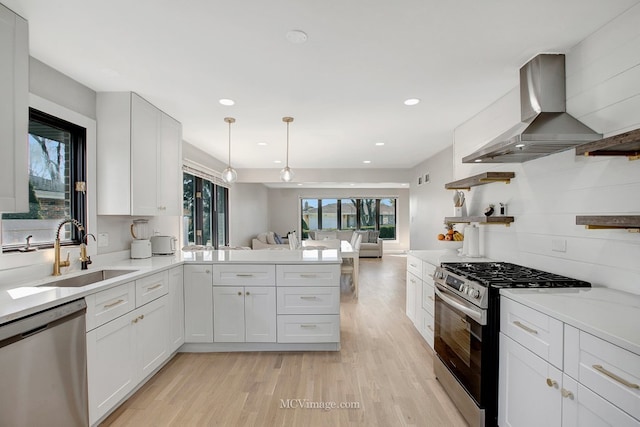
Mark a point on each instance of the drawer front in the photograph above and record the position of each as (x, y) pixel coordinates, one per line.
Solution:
(414, 266)
(151, 287)
(244, 275)
(428, 297)
(608, 370)
(308, 300)
(427, 270)
(106, 305)
(426, 326)
(308, 275)
(541, 334)
(310, 328)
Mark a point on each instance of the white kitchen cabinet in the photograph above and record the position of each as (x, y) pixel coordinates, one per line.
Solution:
(244, 314)
(176, 302)
(198, 303)
(529, 388)
(14, 112)
(552, 373)
(123, 352)
(412, 285)
(139, 157)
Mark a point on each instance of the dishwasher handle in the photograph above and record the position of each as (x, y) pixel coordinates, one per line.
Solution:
(35, 323)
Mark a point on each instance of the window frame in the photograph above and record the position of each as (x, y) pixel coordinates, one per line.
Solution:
(198, 206)
(78, 209)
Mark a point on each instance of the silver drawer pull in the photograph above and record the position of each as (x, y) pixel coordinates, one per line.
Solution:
(154, 287)
(602, 370)
(526, 328)
(566, 393)
(308, 275)
(113, 304)
(244, 275)
(308, 326)
(311, 298)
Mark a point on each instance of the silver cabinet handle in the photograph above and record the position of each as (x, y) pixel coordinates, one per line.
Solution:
(552, 383)
(610, 374)
(244, 275)
(308, 275)
(247, 293)
(150, 288)
(566, 393)
(309, 298)
(526, 328)
(239, 293)
(113, 304)
(308, 326)
(413, 265)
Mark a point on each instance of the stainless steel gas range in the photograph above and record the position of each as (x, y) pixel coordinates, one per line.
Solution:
(467, 327)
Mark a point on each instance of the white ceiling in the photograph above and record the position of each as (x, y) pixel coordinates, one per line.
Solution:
(345, 86)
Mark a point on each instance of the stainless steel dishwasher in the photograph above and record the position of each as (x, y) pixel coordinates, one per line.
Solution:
(43, 368)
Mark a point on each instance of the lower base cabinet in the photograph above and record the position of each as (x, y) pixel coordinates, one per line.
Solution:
(124, 351)
(244, 314)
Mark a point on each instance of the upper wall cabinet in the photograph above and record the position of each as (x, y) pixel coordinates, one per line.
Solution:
(14, 112)
(139, 157)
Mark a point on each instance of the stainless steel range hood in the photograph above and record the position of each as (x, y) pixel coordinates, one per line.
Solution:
(545, 127)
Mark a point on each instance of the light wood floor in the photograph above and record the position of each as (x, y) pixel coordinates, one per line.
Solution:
(384, 365)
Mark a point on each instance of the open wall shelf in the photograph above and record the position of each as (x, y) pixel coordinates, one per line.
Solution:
(595, 222)
(483, 178)
(625, 144)
(506, 220)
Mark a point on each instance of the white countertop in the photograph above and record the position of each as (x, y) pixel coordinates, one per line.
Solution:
(435, 257)
(31, 297)
(606, 313)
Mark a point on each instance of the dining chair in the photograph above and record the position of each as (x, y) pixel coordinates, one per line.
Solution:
(293, 240)
(347, 267)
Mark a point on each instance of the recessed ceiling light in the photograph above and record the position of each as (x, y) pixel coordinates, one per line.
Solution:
(379, 144)
(227, 102)
(277, 161)
(262, 143)
(366, 161)
(296, 36)
(477, 160)
(411, 101)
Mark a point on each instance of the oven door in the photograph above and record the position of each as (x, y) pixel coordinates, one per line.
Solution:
(459, 326)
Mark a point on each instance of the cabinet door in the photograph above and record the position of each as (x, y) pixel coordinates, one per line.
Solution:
(176, 301)
(228, 314)
(529, 388)
(412, 283)
(582, 407)
(260, 314)
(198, 303)
(152, 335)
(111, 364)
(170, 167)
(145, 126)
(14, 112)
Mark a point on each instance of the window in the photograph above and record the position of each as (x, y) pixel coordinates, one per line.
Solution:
(350, 214)
(205, 212)
(56, 169)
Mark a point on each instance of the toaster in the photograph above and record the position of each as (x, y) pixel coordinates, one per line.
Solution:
(163, 245)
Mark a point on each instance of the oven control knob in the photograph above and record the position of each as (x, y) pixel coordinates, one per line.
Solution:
(463, 288)
(474, 293)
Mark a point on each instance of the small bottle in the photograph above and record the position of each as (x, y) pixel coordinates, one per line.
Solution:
(503, 209)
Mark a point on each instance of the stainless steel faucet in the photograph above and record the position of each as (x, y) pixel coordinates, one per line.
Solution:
(57, 264)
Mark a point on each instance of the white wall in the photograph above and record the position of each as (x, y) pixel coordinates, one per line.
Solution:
(284, 209)
(248, 213)
(603, 90)
(430, 202)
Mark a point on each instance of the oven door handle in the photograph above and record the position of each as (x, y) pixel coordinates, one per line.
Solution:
(478, 315)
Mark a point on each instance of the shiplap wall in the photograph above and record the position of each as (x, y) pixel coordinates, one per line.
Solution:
(603, 91)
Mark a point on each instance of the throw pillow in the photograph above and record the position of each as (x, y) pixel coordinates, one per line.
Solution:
(277, 238)
(271, 238)
(373, 236)
(364, 234)
(262, 237)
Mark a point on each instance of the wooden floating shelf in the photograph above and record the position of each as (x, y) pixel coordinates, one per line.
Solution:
(596, 222)
(483, 178)
(505, 220)
(625, 144)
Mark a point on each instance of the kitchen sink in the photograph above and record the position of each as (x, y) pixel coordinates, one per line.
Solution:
(88, 279)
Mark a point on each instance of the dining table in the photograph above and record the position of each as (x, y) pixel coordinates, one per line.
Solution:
(347, 251)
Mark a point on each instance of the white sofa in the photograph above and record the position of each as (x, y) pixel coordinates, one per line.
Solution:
(268, 240)
(371, 246)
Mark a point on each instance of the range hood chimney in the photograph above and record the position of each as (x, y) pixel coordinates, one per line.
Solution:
(545, 127)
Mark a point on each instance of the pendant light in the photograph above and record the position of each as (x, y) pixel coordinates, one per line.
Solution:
(287, 174)
(229, 175)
